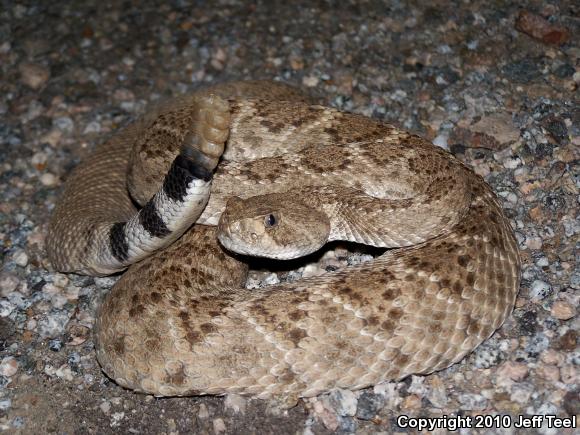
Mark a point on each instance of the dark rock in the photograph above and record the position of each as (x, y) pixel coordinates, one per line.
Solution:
(565, 70)
(557, 129)
(523, 71)
(369, 404)
(568, 341)
(555, 201)
(55, 345)
(457, 149)
(528, 322)
(572, 403)
(347, 425)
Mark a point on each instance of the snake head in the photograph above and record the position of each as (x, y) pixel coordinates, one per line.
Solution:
(274, 226)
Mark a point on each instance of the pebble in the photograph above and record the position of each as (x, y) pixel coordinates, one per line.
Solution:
(53, 324)
(521, 393)
(572, 403)
(271, 279)
(64, 124)
(6, 308)
(39, 160)
(512, 162)
(437, 394)
(550, 373)
(575, 281)
(441, 141)
(236, 403)
(328, 417)
(509, 372)
(368, 405)
(472, 402)
(541, 29)
(48, 179)
(539, 289)
(64, 372)
(562, 310)
(389, 390)
(8, 366)
(34, 75)
(344, 402)
(499, 128)
(105, 282)
(551, 356)
(8, 283)
(570, 374)
(55, 345)
(202, 412)
(312, 270)
(487, 356)
(18, 422)
(116, 418)
(105, 407)
(53, 137)
(20, 257)
(92, 127)
(219, 426)
(310, 81)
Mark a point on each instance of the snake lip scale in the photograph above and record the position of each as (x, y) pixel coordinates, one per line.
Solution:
(269, 173)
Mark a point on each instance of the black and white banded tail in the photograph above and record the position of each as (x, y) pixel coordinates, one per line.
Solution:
(171, 211)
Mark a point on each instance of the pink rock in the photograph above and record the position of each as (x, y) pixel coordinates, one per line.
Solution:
(8, 366)
(33, 75)
(562, 310)
(510, 372)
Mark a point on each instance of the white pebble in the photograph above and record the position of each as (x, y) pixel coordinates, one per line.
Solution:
(219, 426)
(203, 412)
(105, 407)
(116, 418)
(6, 308)
(271, 279)
(512, 162)
(60, 280)
(310, 81)
(20, 258)
(8, 283)
(48, 179)
(39, 158)
(92, 127)
(441, 141)
(539, 290)
(344, 402)
(312, 270)
(64, 372)
(236, 403)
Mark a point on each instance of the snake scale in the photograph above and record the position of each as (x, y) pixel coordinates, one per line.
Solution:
(293, 175)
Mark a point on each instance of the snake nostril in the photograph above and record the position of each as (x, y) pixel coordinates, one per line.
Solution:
(254, 236)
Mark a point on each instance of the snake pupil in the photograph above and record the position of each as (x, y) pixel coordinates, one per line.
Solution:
(271, 220)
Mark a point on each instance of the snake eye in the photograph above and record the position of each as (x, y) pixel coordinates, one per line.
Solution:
(270, 221)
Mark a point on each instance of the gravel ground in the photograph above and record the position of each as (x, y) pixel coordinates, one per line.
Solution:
(494, 82)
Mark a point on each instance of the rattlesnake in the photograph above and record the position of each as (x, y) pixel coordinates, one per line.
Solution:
(180, 322)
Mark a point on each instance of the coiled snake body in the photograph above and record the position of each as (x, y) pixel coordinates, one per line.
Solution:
(180, 322)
